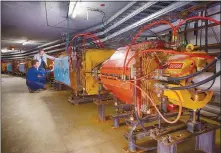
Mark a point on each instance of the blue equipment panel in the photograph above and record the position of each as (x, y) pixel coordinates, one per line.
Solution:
(22, 68)
(9, 67)
(61, 70)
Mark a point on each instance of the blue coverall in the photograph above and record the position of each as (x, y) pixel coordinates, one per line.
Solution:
(33, 81)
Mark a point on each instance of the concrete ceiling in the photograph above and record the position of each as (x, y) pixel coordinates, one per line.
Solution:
(42, 22)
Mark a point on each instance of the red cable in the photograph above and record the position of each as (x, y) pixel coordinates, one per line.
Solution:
(89, 35)
(141, 31)
(92, 36)
(174, 30)
(194, 18)
(169, 51)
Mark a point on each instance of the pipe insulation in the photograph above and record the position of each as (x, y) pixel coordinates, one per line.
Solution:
(205, 75)
(212, 109)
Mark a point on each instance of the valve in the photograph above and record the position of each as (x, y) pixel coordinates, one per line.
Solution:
(189, 47)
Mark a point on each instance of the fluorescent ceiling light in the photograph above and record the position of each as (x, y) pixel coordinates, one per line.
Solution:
(72, 11)
(78, 8)
(24, 43)
(4, 50)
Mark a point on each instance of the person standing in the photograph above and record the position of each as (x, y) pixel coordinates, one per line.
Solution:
(42, 58)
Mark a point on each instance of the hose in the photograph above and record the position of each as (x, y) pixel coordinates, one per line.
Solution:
(135, 108)
(194, 18)
(207, 88)
(89, 35)
(159, 67)
(185, 33)
(196, 84)
(168, 51)
(180, 105)
(198, 72)
(132, 141)
(141, 31)
(164, 22)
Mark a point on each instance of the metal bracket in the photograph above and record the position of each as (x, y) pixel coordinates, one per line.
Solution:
(206, 142)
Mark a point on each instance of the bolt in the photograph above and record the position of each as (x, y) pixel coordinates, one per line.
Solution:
(158, 95)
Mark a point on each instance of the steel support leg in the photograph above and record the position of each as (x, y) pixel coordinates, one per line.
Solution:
(101, 112)
(162, 148)
(59, 86)
(116, 122)
(55, 85)
(131, 146)
(206, 142)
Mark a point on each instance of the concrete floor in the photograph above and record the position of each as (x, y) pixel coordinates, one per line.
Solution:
(45, 122)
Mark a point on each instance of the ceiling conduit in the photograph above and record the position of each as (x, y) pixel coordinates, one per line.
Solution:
(149, 18)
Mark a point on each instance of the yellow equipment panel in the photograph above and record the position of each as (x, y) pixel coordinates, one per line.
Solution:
(3, 67)
(90, 59)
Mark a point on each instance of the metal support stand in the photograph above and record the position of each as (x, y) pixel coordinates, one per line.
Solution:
(58, 86)
(77, 100)
(116, 122)
(55, 86)
(101, 101)
(116, 118)
(131, 146)
(206, 142)
(101, 112)
(204, 139)
(193, 125)
(123, 111)
(162, 148)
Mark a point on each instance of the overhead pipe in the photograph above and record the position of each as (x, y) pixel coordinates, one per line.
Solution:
(113, 17)
(34, 52)
(147, 19)
(90, 29)
(34, 49)
(127, 17)
(22, 57)
(147, 5)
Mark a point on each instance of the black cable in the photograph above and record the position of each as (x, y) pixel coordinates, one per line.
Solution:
(135, 108)
(196, 84)
(198, 72)
(201, 30)
(154, 34)
(196, 32)
(132, 141)
(201, 91)
(185, 33)
(103, 13)
(206, 32)
(208, 87)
